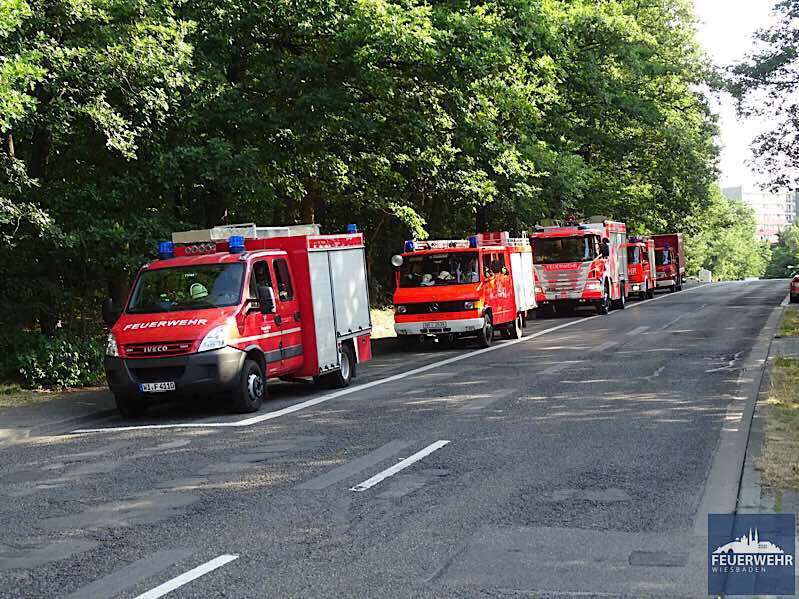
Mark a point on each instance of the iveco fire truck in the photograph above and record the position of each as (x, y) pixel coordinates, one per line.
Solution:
(670, 260)
(451, 288)
(580, 265)
(223, 310)
(641, 266)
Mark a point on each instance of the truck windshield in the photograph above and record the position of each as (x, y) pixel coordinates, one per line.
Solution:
(633, 255)
(451, 268)
(187, 288)
(662, 257)
(550, 250)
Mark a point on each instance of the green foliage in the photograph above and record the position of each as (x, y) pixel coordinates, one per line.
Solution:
(724, 241)
(66, 360)
(785, 255)
(123, 120)
(766, 85)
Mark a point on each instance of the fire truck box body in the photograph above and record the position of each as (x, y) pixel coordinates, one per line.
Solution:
(641, 275)
(571, 270)
(670, 260)
(450, 286)
(192, 318)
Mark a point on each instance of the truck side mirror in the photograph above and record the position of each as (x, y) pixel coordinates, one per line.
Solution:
(266, 299)
(110, 315)
(605, 248)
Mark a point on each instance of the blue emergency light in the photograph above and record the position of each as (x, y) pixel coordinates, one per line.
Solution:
(409, 246)
(473, 241)
(235, 244)
(352, 228)
(166, 250)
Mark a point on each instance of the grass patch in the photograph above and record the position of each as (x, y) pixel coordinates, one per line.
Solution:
(779, 463)
(790, 323)
(382, 323)
(12, 396)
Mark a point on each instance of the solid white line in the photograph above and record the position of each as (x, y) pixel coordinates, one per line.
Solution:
(355, 389)
(179, 581)
(603, 346)
(380, 476)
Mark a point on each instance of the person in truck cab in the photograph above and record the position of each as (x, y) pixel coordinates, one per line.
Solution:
(471, 275)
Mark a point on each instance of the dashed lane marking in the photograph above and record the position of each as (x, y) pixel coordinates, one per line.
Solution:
(381, 476)
(355, 466)
(186, 577)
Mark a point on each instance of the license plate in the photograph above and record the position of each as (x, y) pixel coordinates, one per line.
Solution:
(562, 295)
(441, 324)
(157, 387)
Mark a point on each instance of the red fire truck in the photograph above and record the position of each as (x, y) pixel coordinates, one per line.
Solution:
(223, 310)
(580, 264)
(670, 260)
(452, 288)
(641, 266)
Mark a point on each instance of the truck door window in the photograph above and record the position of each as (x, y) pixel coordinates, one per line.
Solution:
(285, 290)
(260, 276)
(498, 264)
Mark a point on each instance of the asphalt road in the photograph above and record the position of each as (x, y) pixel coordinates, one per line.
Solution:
(581, 460)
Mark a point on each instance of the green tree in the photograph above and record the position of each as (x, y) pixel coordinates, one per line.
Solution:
(785, 255)
(724, 241)
(766, 85)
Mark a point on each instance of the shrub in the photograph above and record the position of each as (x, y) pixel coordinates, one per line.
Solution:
(63, 361)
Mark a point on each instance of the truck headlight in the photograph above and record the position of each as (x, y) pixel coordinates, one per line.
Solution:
(539, 289)
(219, 337)
(401, 309)
(472, 304)
(593, 285)
(111, 348)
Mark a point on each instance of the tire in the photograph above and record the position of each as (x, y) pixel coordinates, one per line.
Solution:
(794, 299)
(408, 342)
(525, 315)
(548, 311)
(131, 406)
(341, 377)
(673, 288)
(251, 390)
(603, 307)
(515, 328)
(621, 303)
(486, 335)
(650, 292)
(446, 341)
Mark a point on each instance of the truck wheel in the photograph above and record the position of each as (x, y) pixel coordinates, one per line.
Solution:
(650, 293)
(794, 299)
(341, 377)
(408, 342)
(486, 335)
(673, 288)
(603, 307)
(251, 391)
(621, 303)
(446, 341)
(515, 329)
(679, 286)
(130, 406)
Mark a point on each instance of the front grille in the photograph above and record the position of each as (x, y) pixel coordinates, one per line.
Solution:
(158, 374)
(433, 307)
(157, 350)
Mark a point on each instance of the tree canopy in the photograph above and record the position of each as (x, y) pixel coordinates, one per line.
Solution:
(766, 85)
(123, 120)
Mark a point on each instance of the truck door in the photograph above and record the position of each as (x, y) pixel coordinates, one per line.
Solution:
(262, 329)
(288, 310)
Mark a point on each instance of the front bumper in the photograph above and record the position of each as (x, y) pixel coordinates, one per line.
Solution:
(666, 282)
(433, 327)
(202, 373)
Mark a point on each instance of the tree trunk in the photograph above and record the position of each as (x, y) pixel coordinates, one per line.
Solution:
(481, 219)
(310, 203)
(40, 155)
(9, 144)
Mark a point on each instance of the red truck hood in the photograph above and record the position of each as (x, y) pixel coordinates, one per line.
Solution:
(445, 293)
(169, 326)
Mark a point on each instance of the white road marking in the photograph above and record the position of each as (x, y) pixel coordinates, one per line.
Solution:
(355, 389)
(786, 301)
(637, 331)
(186, 577)
(604, 346)
(655, 374)
(381, 476)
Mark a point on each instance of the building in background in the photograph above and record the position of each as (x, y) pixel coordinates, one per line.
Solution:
(774, 212)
